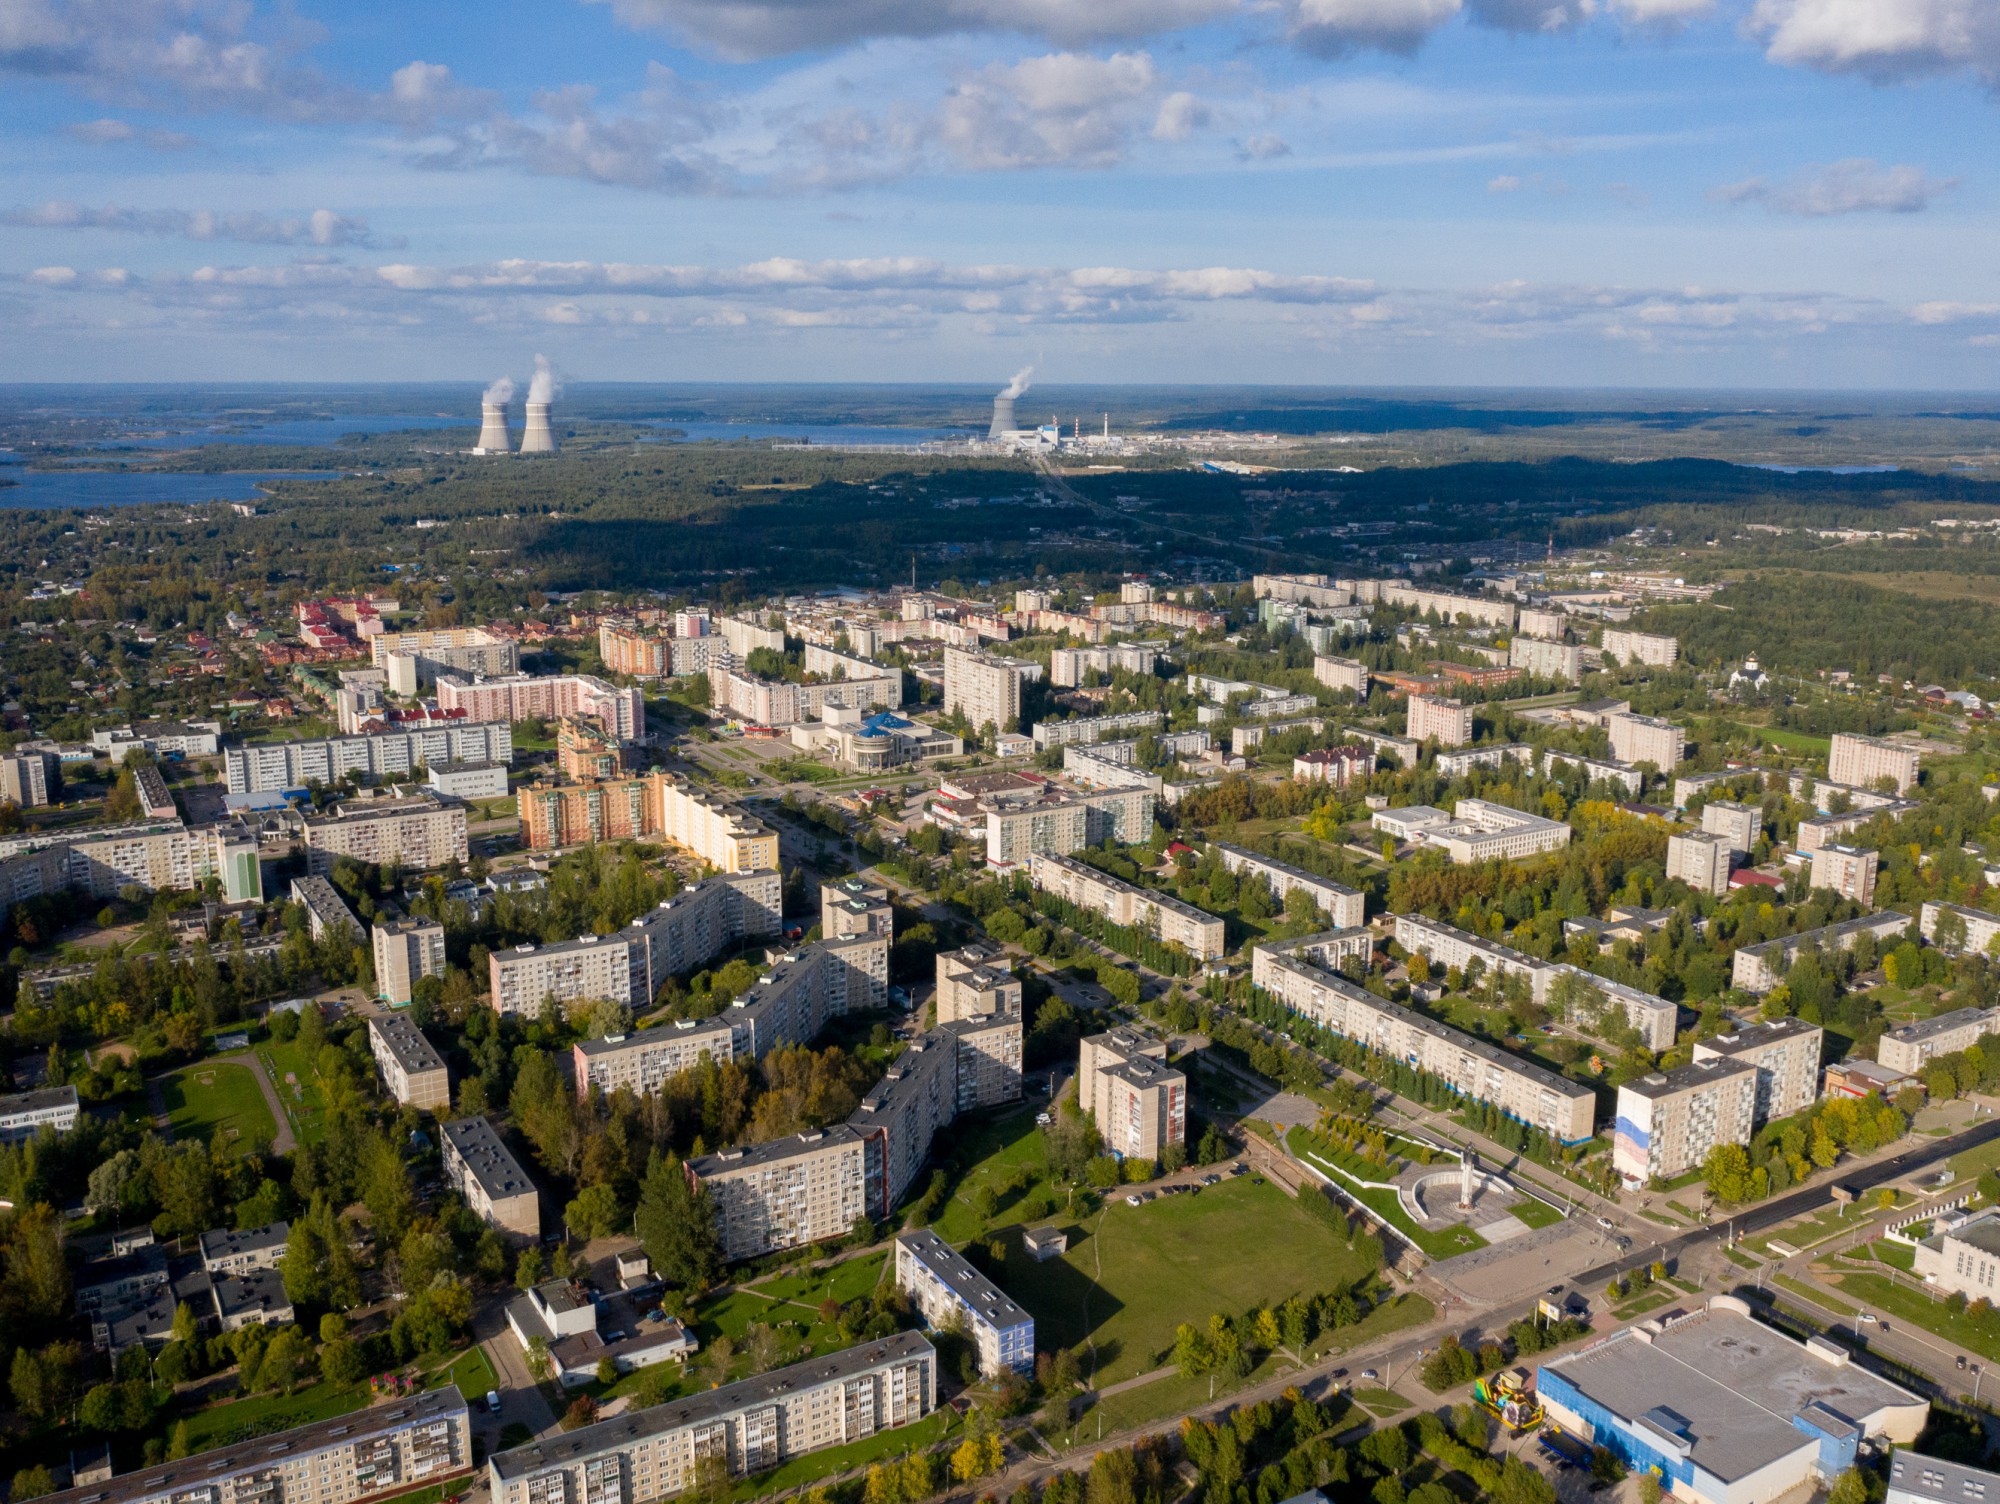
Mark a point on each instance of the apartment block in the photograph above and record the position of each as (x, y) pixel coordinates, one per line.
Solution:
(25, 1114)
(1067, 666)
(412, 1070)
(1913, 1046)
(725, 837)
(1646, 738)
(1060, 821)
(1335, 766)
(1759, 968)
(406, 950)
(1084, 729)
(1642, 647)
(656, 805)
(27, 778)
(556, 816)
(326, 912)
(975, 982)
(643, 1062)
(1481, 831)
(1120, 903)
(1493, 755)
(739, 1429)
(780, 702)
(1738, 824)
(1446, 722)
(586, 969)
(1594, 770)
(374, 1452)
(1298, 976)
(1138, 1100)
(1669, 1121)
(1829, 830)
(954, 1296)
(986, 688)
(1786, 1053)
(271, 767)
(1847, 870)
(1448, 605)
(415, 659)
(628, 648)
(586, 752)
(416, 832)
(1533, 621)
(1342, 673)
(158, 856)
(854, 906)
(1314, 590)
(1700, 860)
(794, 1000)
(1342, 905)
(619, 713)
(1862, 760)
(1546, 659)
(1980, 927)
(483, 1171)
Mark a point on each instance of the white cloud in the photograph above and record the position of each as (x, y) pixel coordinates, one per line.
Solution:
(1883, 39)
(1181, 114)
(1532, 15)
(1506, 182)
(770, 28)
(1856, 186)
(322, 227)
(1063, 110)
(1332, 28)
(53, 276)
(1660, 13)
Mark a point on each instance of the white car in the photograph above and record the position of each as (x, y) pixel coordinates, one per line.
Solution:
(1042, 1119)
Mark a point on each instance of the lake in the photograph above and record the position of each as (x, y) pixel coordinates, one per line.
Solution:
(110, 488)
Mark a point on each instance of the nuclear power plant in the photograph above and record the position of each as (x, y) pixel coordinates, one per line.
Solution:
(537, 436)
(1003, 404)
(493, 418)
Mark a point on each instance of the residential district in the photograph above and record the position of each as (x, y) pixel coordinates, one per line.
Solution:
(1297, 1037)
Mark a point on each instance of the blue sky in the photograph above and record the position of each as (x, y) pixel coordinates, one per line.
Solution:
(1655, 193)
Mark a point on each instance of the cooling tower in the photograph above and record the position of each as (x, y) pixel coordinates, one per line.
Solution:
(536, 435)
(1003, 416)
(492, 429)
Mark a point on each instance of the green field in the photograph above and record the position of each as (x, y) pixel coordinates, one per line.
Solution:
(1440, 1244)
(216, 1095)
(1532, 1213)
(1382, 1401)
(471, 1370)
(240, 1420)
(1976, 1334)
(996, 1149)
(1133, 1274)
(303, 1103)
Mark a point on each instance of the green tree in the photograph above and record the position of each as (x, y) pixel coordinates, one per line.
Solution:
(676, 1226)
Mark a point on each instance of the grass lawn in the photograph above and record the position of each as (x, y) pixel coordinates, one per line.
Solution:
(933, 1428)
(1743, 1261)
(1976, 1161)
(1441, 1244)
(1790, 741)
(1532, 1213)
(1164, 1400)
(259, 1415)
(303, 1103)
(998, 1149)
(1651, 1301)
(214, 1094)
(1978, 1334)
(1896, 1255)
(1395, 1315)
(1381, 1401)
(1829, 1222)
(1135, 1273)
(1814, 1297)
(471, 1370)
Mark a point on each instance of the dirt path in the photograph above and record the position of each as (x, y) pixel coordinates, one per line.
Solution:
(285, 1140)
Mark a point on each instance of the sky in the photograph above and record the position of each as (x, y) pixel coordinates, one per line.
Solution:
(1789, 194)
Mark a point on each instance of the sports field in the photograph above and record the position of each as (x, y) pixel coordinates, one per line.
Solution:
(214, 1094)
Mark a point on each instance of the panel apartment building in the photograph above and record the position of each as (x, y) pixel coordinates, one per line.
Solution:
(517, 697)
(1450, 606)
(414, 831)
(1642, 647)
(1067, 666)
(780, 702)
(1175, 923)
(1700, 860)
(1786, 1054)
(415, 659)
(1342, 905)
(482, 1170)
(1446, 722)
(678, 936)
(378, 1451)
(743, 1428)
(406, 951)
(1646, 738)
(1669, 1121)
(1138, 1101)
(412, 1071)
(1546, 659)
(1860, 760)
(1913, 1046)
(1979, 925)
(1759, 968)
(1847, 870)
(272, 767)
(1738, 824)
(953, 1295)
(326, 912)
(658, 804)
(1299, 976)
(985, 687)
(1342, 673)
(974, 982)
(156, 855)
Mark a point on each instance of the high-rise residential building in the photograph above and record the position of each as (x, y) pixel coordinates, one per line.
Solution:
(406, 950)
(1448, 605)
(1081, 730)
(1535, 621)
(1847, 870)
(1335, 766)
(1641, 647)
(1700, 860)
(1955, 928)
(1342, 905)
(156, 855)
(27, 778)
(1910, 1047)
(1645, 738)
(975, 982)
(271, 767)
(483, 1171)
(854, 906)
(1546, 659)
(1862, 760)
(1786, 1054)
(619, 713)
(954, 1296)
(1446, 722)
(415, 659)
(736, 1430)
(586, 752)
(1137, 1099)
(1342, 673)
(657, 804)
(327, 912)
(986, 688)
(644, 1061)
(416, 832)
(1121, 903)
(412, 1070)
(1670, 1120)
(1738, 824)
(1067, 666)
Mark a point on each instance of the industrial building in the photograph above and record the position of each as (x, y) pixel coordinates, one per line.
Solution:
(1668, 1121)
(412, 1070)
(1445, 722)
(482, 1170)
(1175, 923)
(274, 767)
(1847, 870)
(1910, 1047)
(417, 832)
(1645, 738)
(1786, 1053)
(1861, 761)
(1139, 1102)
(1725, 1409)
(1700, 860)
(1342, 905)
(406, 951)
(954, 1296)
(1300, 975)
(743, 1428)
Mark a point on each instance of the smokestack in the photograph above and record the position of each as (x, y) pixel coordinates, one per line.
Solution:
(493, 418)
(536, 435)
(1003, 403)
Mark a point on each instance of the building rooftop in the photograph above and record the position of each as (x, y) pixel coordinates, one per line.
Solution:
(260, 1290)
(1724, 1389)
(225, 1244)
(1922, 1477)
(978, 1294)
(623, 1430)
(1758, 1036)
(1685, 1077)
(403, 1039)
(499, 1174)
(771, 1151)
(1944, 1023)
(40, 1100)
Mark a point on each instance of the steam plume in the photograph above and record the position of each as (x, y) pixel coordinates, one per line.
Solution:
(544, 387)
(501, 392)
(1019, 384)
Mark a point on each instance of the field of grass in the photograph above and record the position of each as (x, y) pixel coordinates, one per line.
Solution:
(1381, 1401)
(1789, 741)
(998, 1149)
(932, 1429)
(1934, 584)
(1135, 1273)
(1976, 1334)
(1652, 1300)
(471, 1370)
(214, 1095)
(1162, 1401)
(1532, 1213)
(1976, 1161)
(1814, 1297)
(261, 1414)
(301, 1096)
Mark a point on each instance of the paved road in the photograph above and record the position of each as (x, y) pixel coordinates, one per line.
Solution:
(286, 1140)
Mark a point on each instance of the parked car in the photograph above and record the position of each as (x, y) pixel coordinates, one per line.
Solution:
(1134, 1200)
(493, 1401)
(1371, 1375)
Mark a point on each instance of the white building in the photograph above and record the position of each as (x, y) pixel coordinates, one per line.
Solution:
(1861, 760)
(1645, 738)
(1642, 647)
(955, 1296)
(1846, 870)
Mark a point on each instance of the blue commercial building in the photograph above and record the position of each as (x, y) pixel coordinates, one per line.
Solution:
(1723, 1409)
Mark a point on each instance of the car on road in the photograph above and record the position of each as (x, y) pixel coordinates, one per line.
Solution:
(1606, 1223)
(493, 1401)
(1554, 1291)
(1211, 1180)
(1042, 1120)
(1961, 1360)
(1866, 1318)
(1371, 1375)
